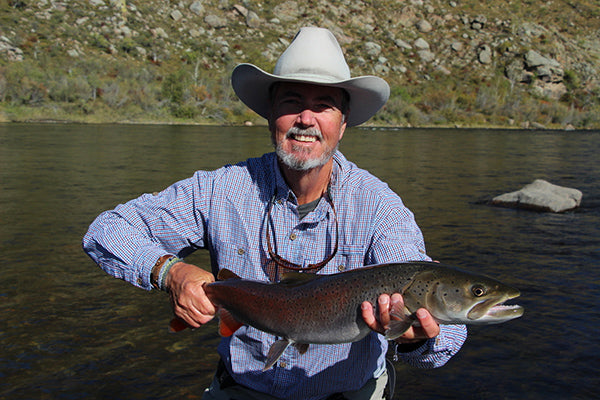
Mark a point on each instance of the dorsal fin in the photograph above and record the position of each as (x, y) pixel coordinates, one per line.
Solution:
(297, 278)
(226, 274)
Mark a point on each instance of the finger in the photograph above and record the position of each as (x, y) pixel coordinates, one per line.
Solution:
(384, 311)
(368, 315)
(195, 310)
(429, 328)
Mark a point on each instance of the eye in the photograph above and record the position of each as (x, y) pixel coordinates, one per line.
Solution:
(478, 290)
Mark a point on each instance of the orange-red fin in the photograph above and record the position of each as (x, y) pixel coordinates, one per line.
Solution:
(227, 324)
(177, 325)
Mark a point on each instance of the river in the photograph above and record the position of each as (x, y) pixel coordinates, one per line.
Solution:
(69, 331)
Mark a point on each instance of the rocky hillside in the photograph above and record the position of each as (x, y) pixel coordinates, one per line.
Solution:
(503, 63)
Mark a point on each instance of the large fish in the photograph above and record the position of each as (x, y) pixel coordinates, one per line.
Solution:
(307, 308)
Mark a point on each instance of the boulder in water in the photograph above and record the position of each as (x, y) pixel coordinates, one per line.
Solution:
(541, 195)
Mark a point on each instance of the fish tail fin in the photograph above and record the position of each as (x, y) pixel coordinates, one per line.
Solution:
(227, 323)
(177, 325)
(275, 352)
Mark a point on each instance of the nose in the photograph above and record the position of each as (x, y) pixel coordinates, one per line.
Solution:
(306, 117)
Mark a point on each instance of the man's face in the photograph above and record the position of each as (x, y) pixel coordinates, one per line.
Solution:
(306, 124)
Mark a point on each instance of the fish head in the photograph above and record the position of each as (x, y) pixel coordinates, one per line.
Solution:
(454, 296)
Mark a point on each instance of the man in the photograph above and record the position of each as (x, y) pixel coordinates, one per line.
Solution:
(304, 207)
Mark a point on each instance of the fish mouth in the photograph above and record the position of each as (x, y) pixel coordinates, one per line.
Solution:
(495, 310)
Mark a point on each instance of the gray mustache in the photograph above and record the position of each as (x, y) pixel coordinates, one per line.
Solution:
(294, 130)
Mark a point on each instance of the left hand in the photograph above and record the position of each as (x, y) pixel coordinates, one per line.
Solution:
(428, 329)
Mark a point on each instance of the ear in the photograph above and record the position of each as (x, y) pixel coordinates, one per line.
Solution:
(342, 130)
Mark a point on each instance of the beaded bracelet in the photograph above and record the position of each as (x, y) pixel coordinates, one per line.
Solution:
(162, 277)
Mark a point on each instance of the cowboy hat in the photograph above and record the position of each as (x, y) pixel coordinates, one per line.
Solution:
(314, 57)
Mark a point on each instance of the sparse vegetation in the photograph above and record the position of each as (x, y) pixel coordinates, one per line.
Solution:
(94, 62)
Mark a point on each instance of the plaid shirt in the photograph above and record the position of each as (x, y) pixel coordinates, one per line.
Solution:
(225, 211)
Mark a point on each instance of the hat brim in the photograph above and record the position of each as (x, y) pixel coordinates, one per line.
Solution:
(367, 93)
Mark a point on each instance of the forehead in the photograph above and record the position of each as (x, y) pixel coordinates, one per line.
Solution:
(307, 91)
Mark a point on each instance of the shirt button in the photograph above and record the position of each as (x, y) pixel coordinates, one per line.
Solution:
(140, 281)
(283, 364)
(341, 268)
(241, 252)
(293, 236)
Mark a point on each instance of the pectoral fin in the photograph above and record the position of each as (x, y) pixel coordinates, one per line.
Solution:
(227, 323)
(275, 352)
(400, 323)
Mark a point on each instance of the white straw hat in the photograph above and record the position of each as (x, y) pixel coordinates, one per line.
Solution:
(315, 57)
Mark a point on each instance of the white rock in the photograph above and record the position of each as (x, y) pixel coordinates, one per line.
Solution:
(541, 196)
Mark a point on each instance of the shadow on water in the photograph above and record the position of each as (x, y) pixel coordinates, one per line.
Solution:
(69, 331)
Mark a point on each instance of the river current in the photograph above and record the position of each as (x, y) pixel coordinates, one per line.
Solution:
(69, 331)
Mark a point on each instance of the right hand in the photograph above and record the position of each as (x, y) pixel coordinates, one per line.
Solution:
(185, 283)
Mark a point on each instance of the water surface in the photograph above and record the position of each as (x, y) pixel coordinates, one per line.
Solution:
(69, 331)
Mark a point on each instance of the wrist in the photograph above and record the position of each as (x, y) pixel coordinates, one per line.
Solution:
(161, 269)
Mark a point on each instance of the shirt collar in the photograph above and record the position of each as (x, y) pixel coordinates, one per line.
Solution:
(283, 192)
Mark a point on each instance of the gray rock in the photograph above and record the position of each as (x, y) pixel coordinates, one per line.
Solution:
(253, 20)
(243, 11)
(424, 26)
(288, 11)
(426, 55)
(11, 52)
(160, 32)
(372, 49)
(457, 46)
(215, 21)
(485, 54)
(197, 8)
(541, 196)
(421, 44)
(176, 15)
(478, 22)
(402, 44)
(534, 59)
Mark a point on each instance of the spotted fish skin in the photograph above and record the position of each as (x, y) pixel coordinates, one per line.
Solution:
(326, 309)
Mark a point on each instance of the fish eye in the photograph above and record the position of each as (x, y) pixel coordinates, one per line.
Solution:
(478, 290)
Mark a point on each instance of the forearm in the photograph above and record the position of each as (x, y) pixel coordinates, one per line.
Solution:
(437, 351)
(126, 242)
(122, 250)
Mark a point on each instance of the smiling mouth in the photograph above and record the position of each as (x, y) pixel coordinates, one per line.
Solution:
(309, 135)
(304, 138)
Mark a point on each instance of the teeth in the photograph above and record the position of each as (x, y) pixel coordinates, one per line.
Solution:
(304, 138)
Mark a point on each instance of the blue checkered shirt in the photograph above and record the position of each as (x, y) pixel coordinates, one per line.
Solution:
(225, 211)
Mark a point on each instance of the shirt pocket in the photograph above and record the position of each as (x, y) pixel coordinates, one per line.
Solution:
(348, 257)
(232, 256)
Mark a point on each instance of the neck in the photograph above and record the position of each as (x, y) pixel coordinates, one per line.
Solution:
(308, 185)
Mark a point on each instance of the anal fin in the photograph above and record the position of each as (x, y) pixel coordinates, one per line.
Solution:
(301, 347)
